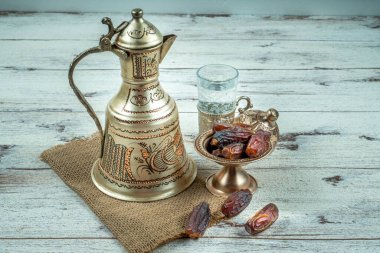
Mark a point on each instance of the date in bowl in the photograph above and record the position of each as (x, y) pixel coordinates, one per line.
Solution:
(232, 177)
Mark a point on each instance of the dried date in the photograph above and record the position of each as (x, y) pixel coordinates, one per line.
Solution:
(227, 136)
(233, 151)
(262, 220)
(246, 126)
(198, 220)
(221, 126)
(236, 203)
(217, 152)
(258, 144)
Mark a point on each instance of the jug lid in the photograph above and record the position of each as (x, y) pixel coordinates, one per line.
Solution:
(139, 33)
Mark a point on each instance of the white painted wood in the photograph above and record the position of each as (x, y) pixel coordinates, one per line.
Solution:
(190, 246)
(244, 54)
(276, 7)
(316, 139)
(322, 73)
(287, 90)
(87, 26)
(310, 207)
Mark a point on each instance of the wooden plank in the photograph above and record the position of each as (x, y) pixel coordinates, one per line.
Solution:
(276, 7)
(244, 54)
(309, 139)
(313, 203)
(87, 26)
(287, 90)
(187, 246)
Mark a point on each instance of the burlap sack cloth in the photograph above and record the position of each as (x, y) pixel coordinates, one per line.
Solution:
(140, 227)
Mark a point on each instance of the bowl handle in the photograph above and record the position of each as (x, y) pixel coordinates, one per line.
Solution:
(248, 105)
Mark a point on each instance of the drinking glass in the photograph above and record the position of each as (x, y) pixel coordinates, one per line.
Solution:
(217, 88)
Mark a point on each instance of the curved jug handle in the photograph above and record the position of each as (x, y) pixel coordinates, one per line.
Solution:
(104, 45)
(77, 92)
(247, 106)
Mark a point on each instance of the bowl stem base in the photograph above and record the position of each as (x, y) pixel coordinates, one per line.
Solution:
(230, 179)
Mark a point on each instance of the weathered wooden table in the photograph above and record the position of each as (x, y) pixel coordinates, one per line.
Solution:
(321, 73)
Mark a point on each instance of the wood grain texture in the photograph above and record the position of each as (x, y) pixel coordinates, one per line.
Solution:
(87, 26)
(309, 204)
(212, 245)
(308, 90)
(313, 140)
(322, 73)
(257, 7)
(243, 54)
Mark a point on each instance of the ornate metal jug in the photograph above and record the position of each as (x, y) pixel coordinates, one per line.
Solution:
(143, 157)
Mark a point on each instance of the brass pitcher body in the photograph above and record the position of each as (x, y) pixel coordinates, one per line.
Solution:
(143, 157)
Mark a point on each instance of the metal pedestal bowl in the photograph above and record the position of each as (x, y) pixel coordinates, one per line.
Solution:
(232, 177)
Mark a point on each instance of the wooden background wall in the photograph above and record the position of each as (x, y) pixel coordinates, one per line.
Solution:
(256, 7)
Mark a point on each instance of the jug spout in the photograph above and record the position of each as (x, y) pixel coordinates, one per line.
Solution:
(168, 41)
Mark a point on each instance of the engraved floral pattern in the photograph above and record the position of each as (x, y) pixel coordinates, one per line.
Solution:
(139, 100)
(145, 65)
(160, 157)
(150, 158)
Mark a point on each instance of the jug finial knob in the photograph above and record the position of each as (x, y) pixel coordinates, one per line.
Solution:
(137, 13)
